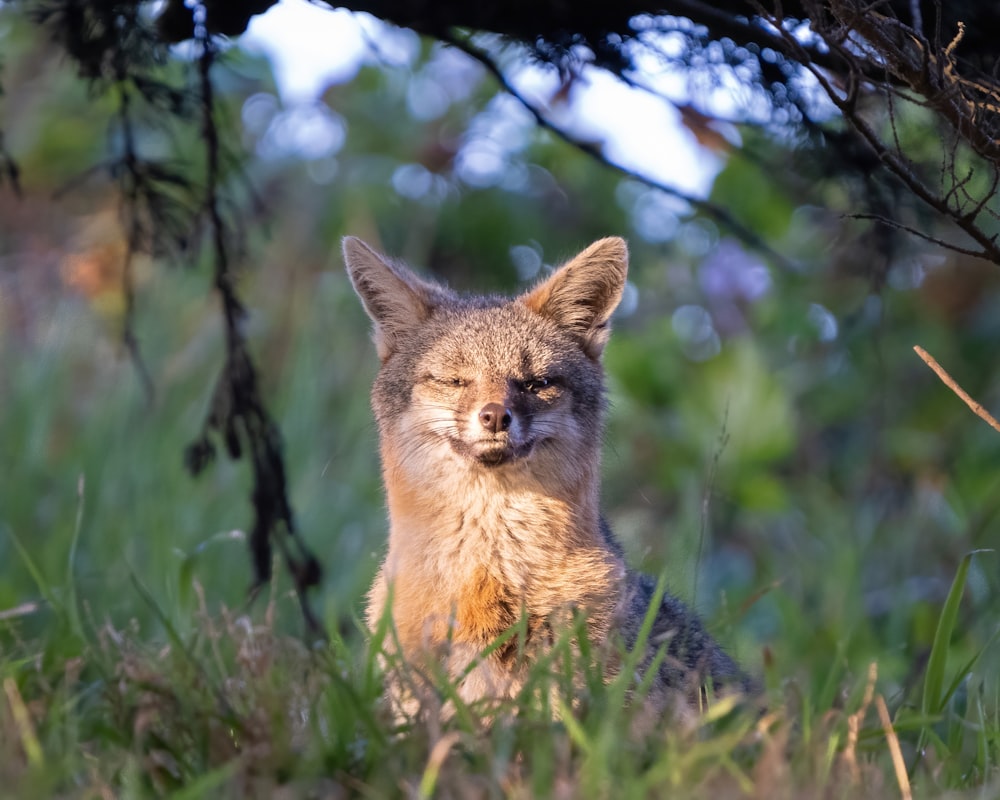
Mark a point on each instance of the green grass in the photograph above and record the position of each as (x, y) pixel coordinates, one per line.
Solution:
(237, 709)
(132, 666)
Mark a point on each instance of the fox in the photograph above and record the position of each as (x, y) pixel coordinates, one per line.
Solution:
(490, 417)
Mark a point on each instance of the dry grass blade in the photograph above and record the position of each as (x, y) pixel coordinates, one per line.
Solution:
(854, 726)
(22, 718)
(896, 753)
(434, 763)
(22, 610)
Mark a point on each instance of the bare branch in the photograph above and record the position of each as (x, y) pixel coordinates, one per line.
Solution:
(952, 384)
(920, 235)
(907, 57)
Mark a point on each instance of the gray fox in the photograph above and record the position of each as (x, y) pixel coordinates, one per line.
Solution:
(489, 413)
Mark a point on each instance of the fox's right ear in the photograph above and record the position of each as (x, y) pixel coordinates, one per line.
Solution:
(583, 293)
(394, 297)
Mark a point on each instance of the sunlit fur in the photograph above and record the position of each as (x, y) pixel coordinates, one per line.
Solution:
(489, 525)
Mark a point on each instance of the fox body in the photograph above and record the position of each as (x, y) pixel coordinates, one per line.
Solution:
(489, 413)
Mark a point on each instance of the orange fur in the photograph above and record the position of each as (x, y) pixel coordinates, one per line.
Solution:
(484, 610)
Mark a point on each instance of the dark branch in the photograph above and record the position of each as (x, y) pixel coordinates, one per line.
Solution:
(911, 67)
(238, 413)
(709, 209)
(891, 223)
(129, 185)
(9, 169)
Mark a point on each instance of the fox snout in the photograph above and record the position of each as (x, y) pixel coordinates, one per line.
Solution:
(488, 422)
(495, 418)
(496, 434)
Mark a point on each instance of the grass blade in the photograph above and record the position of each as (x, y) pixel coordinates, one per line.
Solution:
(36, 574)
(23, 723)
(934, 698)
(72, 590)
(967, 667)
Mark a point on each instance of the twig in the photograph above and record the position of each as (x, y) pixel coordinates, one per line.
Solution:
(879, 30)
(949, 381)
(900, 226)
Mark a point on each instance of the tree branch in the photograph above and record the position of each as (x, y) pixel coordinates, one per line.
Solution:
(709, 209)
(893, 158)
(238, 413)
(955, 248)
(952, 384)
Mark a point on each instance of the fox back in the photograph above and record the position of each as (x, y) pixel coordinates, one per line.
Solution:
(490, 416)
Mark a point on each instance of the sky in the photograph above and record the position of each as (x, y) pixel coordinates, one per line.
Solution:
(311, 47)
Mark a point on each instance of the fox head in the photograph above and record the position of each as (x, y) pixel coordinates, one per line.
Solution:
(490, 386)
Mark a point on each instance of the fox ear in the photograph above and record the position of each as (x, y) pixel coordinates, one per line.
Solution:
(394, 297)
(582, 294)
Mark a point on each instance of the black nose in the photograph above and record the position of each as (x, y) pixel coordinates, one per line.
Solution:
(495, 418)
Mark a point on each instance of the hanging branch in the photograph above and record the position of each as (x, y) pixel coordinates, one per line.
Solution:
(237, 412)
(8, 168)
(116, 46)
(130, 182)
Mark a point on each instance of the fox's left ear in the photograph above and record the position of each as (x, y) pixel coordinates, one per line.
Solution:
(582, 294)
(394, 297)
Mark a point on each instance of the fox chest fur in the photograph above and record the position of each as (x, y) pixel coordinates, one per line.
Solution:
(489, 413)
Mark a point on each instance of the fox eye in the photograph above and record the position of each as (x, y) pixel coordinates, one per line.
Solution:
(450, 381)
(535, 385)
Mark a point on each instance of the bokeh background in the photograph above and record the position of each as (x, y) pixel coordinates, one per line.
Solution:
(773, 444)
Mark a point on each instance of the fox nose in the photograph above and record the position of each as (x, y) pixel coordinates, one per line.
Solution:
(495, 417)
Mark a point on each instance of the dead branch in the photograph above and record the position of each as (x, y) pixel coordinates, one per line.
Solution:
(950, 382)
(861, 38)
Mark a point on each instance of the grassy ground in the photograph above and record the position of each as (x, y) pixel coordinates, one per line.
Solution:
(235, 709)
(132, 666)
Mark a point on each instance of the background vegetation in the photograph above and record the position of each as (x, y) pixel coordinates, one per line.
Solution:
(774, 448)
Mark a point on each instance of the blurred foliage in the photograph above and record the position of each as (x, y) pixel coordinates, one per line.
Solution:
(773, 442)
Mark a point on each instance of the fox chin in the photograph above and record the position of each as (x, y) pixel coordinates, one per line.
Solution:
(490, 415)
